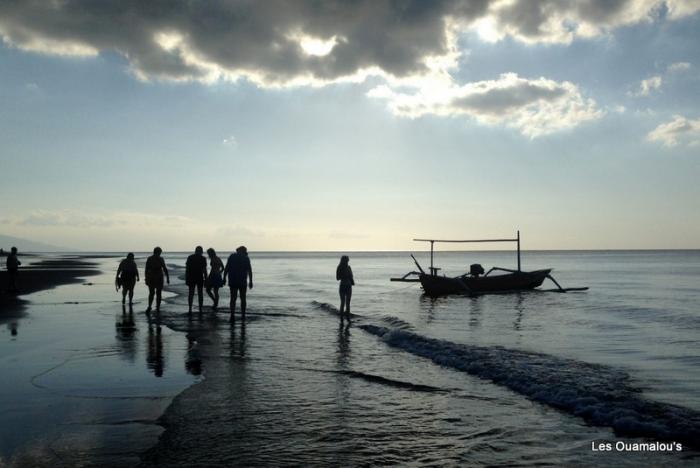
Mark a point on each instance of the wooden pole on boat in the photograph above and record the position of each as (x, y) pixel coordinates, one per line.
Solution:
(432, 270)
(518, 250)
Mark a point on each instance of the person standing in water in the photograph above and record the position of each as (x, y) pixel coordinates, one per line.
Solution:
(127, 276)
(155, 269)
(12, 265)
(344, 274)
(238, 270)
(214, 280)
(196, 275)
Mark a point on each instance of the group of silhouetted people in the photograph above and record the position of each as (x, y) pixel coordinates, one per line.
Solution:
(237, 269)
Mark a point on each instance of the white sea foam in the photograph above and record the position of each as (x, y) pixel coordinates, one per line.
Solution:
(602, 395)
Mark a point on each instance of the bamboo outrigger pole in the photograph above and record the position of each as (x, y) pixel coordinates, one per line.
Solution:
(433, 270)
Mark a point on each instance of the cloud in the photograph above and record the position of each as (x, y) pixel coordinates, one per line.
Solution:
(240, 232)
(230, 141)
(682, 8)
(678, 67)
(647, 86)
(679, 130)
(305, 42)
(343, 234)
(80, 220)
(654, 83)
(561, 22)
(535, 107)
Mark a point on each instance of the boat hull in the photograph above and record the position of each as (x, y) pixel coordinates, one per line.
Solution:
(434, 285)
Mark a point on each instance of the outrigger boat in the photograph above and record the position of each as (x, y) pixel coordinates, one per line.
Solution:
(473, 282)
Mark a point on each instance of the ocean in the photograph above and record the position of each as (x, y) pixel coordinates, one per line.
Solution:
(531, 378)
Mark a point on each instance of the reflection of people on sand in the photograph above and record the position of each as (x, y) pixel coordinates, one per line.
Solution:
(343, 353)
(127, 276)
(193, 363)
(240, 349)
(12, 264)
(126, 329)
(238, 270)
(154, 358)
(155, 269)
(214, 280)
(196, 275)
(125, 323)
(344, 274)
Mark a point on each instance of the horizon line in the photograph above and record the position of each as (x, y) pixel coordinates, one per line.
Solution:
(371, 251)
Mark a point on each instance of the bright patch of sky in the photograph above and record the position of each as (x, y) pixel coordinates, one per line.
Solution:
(351, 126)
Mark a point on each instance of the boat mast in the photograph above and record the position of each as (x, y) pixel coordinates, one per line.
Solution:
(518, 250)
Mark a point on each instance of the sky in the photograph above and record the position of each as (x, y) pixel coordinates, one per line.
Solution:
(350, 126)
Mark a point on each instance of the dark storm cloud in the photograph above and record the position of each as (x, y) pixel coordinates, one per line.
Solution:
(261, 40)
(249, 37)
(499, 99)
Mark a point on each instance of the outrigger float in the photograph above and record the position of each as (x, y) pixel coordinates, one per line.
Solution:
(473, 282)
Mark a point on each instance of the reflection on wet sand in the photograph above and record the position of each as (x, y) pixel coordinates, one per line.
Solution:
(193, 361)
(154, 357)
(126, 329)
(238, 345)
(343, 351)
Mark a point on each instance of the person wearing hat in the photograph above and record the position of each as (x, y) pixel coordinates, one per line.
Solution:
(196, 275)
(239, 272)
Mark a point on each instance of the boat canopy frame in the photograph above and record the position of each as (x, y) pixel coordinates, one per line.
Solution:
(434, 270)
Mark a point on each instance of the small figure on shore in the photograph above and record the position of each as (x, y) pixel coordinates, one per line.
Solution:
(155, 269)
(196, 275)
(127, 276)
(214, 280)
(12, 264)
(238, 270)
(344, 274)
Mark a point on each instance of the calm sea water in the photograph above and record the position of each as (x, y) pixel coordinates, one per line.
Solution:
(527, 378)
(522, 379)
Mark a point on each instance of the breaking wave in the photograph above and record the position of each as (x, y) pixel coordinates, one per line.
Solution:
(396, 322)
(601, 395)
(330, 308)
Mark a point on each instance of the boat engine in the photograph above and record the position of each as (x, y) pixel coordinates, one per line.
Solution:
(476, 269)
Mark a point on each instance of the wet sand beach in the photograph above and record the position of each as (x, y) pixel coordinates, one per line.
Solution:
(85, 380)
(41, 274)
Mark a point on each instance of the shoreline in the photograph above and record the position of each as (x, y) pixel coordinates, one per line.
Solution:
(40, 276)
(80, 436)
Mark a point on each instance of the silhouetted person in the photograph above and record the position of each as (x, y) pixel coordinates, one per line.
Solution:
(155, 269)
(196, 275)
(238, 270)
(214, 280)
(12, 264)
(127, 276)
(344, 274)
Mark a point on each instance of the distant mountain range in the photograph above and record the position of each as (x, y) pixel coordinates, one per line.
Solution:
(25, 245)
